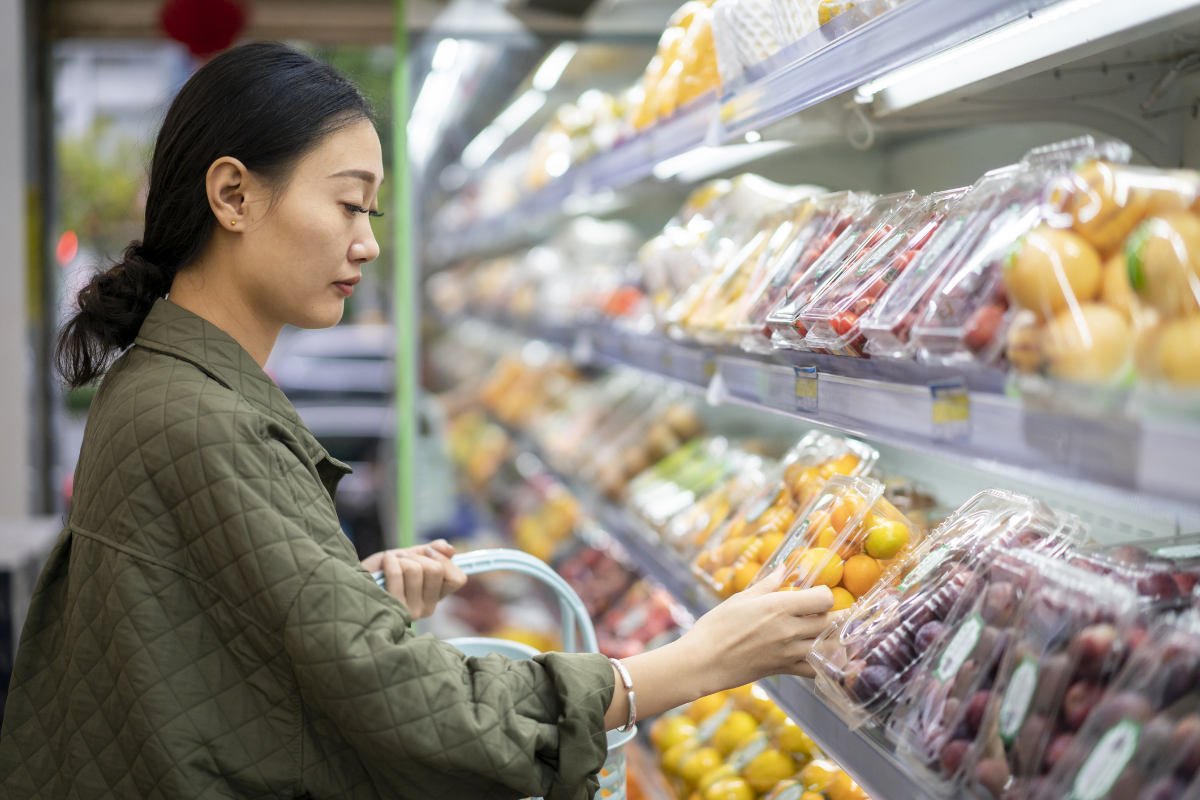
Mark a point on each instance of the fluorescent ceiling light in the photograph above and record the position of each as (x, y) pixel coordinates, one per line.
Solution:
(517, 114)
(481, 148)
(445, 55)
(553, 66)
(703, 162)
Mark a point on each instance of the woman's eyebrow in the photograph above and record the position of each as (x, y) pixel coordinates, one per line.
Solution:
(361, 174)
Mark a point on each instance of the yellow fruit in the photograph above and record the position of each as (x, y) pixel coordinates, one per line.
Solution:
(669, 731)
(844, 788)
(737, 728)
(795, 741)
(744, 574)
(1178, 356)
(844, 510)
(1104, 207)
(812, 796)
(699, 763)
(826, 537)
(819, 775)
(770, 542)
(706, 706)
(818, 566)
(1114, 285)
(1024, 343)
(886, 538)
(709, 778)
(1092, 342)
(1050, 266)
(1164, 263)
(860, 574)
(843, 599)
(767, 769)
(673, 757)
(729, 789)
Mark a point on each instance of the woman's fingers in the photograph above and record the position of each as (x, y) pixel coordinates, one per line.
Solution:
(442, 547)
(802, 602)
(414, 586)
(432, 578)
(453, 578)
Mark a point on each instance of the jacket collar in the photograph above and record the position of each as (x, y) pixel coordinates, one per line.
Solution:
(175, 331)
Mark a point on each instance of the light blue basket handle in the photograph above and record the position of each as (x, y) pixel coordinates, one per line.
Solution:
(574, 615)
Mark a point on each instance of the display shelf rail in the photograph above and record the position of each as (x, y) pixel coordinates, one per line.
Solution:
(1146, 465)
(863, 753)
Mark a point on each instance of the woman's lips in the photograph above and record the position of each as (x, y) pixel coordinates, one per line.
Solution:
(346, 287)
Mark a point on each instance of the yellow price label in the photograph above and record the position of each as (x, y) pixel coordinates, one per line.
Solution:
(951, 405)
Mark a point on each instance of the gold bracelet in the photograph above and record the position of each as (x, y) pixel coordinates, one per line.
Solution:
(629, 694)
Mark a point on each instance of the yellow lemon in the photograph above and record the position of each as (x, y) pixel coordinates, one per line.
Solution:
(709, 778)
(698, 763)
(886, 538)
(729, 789)
(673, 758)
(737, 728)
(795, 741)
(819, 775)
(818, 566)
(767, 769)
(669, 731)
(844, 788)
(706, 706)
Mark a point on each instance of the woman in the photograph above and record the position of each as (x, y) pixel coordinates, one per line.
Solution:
(202, 628)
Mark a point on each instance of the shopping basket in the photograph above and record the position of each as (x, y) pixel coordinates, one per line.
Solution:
(578, 635)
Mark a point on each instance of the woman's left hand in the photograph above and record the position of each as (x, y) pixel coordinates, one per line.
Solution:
(418, 576)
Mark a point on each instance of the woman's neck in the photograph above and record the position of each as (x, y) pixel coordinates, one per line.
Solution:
(201, 291)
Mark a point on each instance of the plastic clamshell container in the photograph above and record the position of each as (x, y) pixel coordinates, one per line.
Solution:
(832, 317)
(1076, 630)
(689, 530)
(1145, 731)
(868, 228)
(1164, 572)
(734, 553)
(833, 213)
(888, 325)
(881, 629)
(849, 539)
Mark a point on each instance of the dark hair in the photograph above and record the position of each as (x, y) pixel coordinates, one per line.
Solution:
(266, 105)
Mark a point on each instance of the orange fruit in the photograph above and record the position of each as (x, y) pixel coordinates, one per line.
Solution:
(732, 548)
(723, 576)
(729, 789)
(706, 706)
(844, 464)
(826, 537)
(669, 731)
(818, 775)
(699, 763)
(745, 573)
(844, 510)
(860, 573)
(844, 788)
(842, 599)
(886, 538)
(818, 566)
(769, 543)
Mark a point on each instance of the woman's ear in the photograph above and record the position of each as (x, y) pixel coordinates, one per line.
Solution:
(226, 184)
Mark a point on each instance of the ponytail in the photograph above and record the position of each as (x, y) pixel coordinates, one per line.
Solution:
(112, 308)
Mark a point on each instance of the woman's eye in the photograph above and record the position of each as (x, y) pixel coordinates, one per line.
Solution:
(356, 209)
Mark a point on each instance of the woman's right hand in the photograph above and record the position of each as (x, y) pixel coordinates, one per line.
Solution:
(761, 631)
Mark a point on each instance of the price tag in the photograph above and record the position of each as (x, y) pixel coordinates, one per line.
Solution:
(710, 366)
(950, 406)
(1015, 703)
(956, 652)
(806, 388)
(1107, 761)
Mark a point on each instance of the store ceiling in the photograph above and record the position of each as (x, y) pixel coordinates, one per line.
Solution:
(372, 21)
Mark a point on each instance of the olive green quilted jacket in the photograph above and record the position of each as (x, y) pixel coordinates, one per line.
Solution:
(204, 630)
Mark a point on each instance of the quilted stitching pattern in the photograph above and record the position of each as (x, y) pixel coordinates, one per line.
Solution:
(203, 629)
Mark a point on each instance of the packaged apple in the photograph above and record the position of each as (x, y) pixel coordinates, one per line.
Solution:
(888, 324)
(1141, 737)
(688, 531)
(862, 662)
(1164, 572)
(1075, 632)
(847, 540)
(735, 552)
(940, 709)
(832, 318)
(832, 215)
(869, 228)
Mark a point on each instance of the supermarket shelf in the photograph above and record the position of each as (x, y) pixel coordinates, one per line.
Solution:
(1135, 467)
(861, 753)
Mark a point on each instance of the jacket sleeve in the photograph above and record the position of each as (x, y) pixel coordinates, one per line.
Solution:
(416, 709)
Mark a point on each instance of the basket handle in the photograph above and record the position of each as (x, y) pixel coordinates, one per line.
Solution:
(574, 615)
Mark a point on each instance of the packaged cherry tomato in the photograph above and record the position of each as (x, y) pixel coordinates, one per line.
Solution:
(832, 318)
(849, 538)
(868, 229)
(1141, 738)
(734, 554)
(1075, 633)
(832, 215)
(890, 630)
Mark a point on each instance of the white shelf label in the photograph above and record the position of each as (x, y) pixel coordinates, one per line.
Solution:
(1107, 761)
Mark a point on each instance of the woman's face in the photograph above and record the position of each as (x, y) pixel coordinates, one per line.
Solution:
(306, 246)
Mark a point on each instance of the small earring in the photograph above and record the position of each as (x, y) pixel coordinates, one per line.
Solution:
(233, 222)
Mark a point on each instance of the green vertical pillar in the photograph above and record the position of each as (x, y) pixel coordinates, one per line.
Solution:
(405, 282)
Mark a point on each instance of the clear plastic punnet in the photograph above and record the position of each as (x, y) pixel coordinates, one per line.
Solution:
(1142, 737)
(884, 635)
(967, 317)
(689, 530)
(1075, 633)
(832, 215)
(1164, 572)
(832, 317)
(888, 325)
(735, 552)
(849, 539)
(870, 227)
